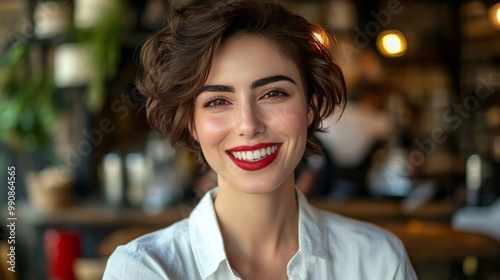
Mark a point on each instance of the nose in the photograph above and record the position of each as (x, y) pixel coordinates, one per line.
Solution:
(249, 121)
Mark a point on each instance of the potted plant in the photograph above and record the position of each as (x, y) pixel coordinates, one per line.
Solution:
(29, 116)
(102, 30)
(26, 108)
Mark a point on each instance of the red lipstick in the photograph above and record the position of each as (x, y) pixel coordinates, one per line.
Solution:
(257, 164)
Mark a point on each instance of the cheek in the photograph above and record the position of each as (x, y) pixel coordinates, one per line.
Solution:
(211, 130)
(290, 119)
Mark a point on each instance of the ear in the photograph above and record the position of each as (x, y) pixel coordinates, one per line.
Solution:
(310, 112)
(192, 131)
(310, 115)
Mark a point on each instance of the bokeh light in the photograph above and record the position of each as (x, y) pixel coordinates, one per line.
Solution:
(391, 43)
(495, 14)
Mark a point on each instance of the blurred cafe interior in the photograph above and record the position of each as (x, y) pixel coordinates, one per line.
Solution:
(416, 151)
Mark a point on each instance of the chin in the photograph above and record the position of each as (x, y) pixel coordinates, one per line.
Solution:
(259, 184)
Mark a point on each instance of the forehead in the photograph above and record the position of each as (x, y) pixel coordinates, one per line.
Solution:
(248, 56)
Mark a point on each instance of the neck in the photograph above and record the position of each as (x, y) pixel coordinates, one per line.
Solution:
(256, 224)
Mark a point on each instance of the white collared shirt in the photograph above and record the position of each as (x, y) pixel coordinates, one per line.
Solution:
(330, 247)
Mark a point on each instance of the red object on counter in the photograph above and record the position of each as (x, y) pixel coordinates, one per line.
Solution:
(62, 248)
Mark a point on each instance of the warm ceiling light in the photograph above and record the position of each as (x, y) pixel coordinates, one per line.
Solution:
(495, 14)
(391, 43)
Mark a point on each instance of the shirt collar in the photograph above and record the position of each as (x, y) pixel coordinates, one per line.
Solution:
(312, 230)
(204, 233)
(208, 246)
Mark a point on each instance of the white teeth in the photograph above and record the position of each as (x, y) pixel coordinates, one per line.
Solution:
(250, 155)
(256, 154)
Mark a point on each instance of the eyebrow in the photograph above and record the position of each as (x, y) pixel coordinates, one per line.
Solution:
(217, 88)
(271, 79)
(254, 85)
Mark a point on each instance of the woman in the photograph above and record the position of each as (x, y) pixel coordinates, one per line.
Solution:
(246, 84)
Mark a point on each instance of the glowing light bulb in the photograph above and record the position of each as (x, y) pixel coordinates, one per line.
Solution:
(495, 14)
(391, 43)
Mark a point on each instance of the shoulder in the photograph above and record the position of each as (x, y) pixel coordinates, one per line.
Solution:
(152, 256)
(171, 237)
(359, 236)
(374, 252)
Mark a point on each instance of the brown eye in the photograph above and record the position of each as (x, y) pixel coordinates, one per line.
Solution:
(215, 103)
(275, 93)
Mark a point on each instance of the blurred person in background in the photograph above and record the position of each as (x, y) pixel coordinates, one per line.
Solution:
(351, 139)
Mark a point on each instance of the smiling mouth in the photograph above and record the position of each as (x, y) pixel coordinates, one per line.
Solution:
(254, 155)
(253, 158)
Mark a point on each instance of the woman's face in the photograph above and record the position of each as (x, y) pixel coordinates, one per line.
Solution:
(251, 117)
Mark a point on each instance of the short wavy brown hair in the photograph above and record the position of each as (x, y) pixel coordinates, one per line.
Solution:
(176, 61)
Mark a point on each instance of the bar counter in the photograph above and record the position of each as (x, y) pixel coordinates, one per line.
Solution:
(425, 231)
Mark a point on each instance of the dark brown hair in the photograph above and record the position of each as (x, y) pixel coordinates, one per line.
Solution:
(177, 59)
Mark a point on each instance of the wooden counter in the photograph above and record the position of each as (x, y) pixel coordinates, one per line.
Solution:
(99, 214)
(425, 232)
